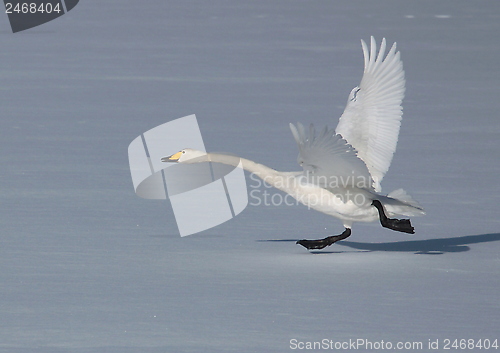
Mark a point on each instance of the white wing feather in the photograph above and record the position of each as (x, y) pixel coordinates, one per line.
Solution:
(328, 160)
(372, 117)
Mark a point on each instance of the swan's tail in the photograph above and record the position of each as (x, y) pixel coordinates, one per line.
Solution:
(399, 202)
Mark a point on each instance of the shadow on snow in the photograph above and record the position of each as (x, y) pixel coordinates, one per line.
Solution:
(428, 246)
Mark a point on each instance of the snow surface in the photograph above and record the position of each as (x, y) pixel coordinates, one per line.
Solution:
(86, 266)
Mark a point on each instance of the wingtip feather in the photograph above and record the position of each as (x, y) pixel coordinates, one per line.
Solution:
(295, 133)
(365, 53)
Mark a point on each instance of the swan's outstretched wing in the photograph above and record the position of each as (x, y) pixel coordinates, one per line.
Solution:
(372, 117)
(328, 160)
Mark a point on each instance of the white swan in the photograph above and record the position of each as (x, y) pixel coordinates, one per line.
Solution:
(343, 168)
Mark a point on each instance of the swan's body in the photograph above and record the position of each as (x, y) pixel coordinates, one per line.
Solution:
(343, 169)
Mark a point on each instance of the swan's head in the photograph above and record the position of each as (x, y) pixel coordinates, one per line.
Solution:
(187, 155)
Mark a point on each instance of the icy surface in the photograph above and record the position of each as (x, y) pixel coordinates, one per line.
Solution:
(86, 266)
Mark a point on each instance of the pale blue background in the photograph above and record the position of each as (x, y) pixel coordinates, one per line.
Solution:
(86, 266)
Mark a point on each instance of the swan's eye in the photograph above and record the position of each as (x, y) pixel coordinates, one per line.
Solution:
(183, 151)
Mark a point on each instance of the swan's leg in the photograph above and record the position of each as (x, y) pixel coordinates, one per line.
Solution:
(401, 225)
(322, 243)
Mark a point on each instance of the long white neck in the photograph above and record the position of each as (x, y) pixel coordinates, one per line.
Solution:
(258, 169)
(279, 180)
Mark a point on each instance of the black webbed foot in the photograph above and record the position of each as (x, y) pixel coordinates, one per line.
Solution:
(400, 225)
(323, 243)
